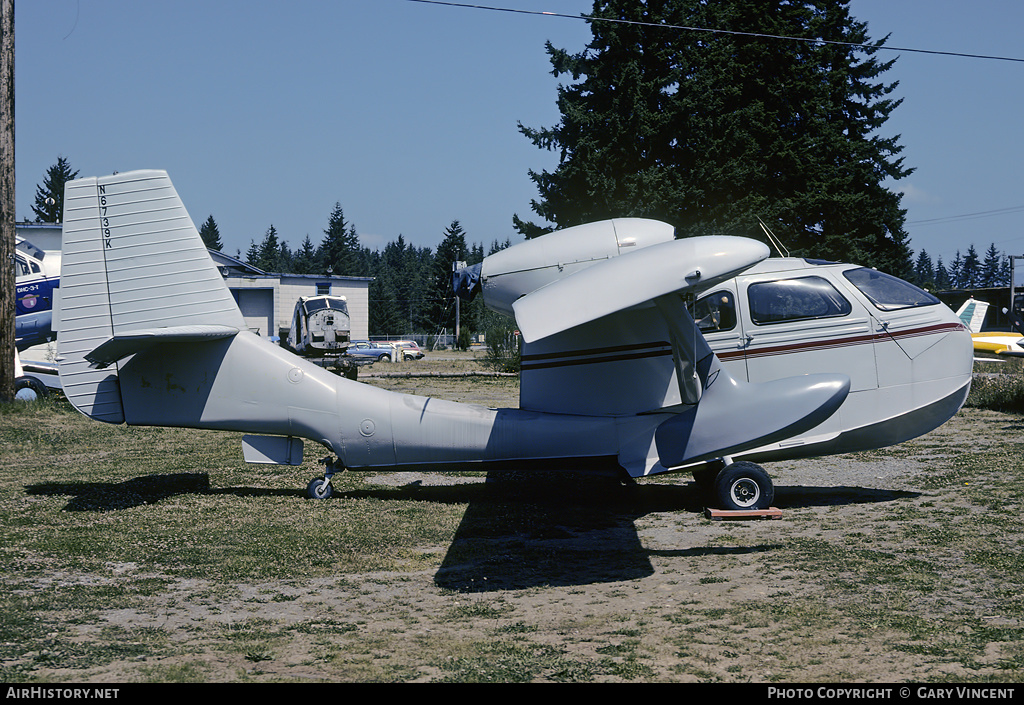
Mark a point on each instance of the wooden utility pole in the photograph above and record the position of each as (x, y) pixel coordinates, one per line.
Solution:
(7, 201)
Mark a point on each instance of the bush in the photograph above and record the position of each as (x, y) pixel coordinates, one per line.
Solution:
(503, 352)
(998, 392)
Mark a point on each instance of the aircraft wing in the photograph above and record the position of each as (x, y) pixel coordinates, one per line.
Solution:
(619, 283)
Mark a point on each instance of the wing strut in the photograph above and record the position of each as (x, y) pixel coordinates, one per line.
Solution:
(694, 360)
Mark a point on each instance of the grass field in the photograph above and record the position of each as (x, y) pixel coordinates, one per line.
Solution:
(142, 554)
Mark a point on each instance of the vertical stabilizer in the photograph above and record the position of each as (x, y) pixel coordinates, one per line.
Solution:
(972, 314)
(132, 260)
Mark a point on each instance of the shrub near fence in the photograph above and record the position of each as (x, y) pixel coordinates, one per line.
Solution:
(998, 391)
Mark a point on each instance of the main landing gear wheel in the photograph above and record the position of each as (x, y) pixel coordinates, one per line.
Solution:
(744, 485)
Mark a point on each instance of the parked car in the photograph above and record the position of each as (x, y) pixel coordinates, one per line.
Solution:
(409, 348)
(382, 352)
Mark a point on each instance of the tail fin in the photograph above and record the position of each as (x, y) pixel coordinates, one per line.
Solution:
(134, 272)
(972, 314)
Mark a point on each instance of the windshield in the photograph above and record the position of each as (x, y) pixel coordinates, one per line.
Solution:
(319, 304)
(887, 292)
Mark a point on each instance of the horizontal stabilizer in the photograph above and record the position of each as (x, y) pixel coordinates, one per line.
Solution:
(622, 282)
(124, 344)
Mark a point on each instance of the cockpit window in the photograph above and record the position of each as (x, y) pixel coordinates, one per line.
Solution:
(714, 312)
(887, 292)
(795, 299)
(319, 304)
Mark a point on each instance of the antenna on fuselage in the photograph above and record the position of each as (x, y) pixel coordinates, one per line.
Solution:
(783, 252)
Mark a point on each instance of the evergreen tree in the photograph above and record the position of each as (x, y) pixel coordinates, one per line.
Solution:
(497, 246)
(285, 258)
(385, 318)
(991, 268)
(49, 203)
(956, 271)
(451, 250)
(211, 235)
(1004, 272)
(942, 282)
(970, 272)
(268, 254)
(707, 131)
(409, 269)
(305, 260)
(924, 272)
(252, 255)
(339, 249)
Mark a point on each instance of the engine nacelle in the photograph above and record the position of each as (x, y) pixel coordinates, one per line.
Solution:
(515, 271)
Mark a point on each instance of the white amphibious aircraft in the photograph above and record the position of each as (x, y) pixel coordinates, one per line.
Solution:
(811, 359)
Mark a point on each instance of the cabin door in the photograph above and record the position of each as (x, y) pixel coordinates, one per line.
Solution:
(718, 319)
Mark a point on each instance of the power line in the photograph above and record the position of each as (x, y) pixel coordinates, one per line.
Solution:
(967, 216)
(753, 35)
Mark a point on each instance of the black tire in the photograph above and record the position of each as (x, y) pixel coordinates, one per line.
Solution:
(744, 485)
(319, 488)
(29, 389)
(384, 358)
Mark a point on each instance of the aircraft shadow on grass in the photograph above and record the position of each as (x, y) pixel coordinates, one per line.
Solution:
(113, 496)
(520, 529)
(525, 532)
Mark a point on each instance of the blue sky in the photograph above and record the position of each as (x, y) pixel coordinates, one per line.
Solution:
(268, 113)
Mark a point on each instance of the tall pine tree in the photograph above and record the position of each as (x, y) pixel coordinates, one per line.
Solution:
(268, 254)
(49, 203)
(305, 260)
(992, 268)
(941, 275)
(340, 247)
(970, 272)
(924, 271)
(211, 235)
(711, 130)
(956, 271)
(451, 250)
